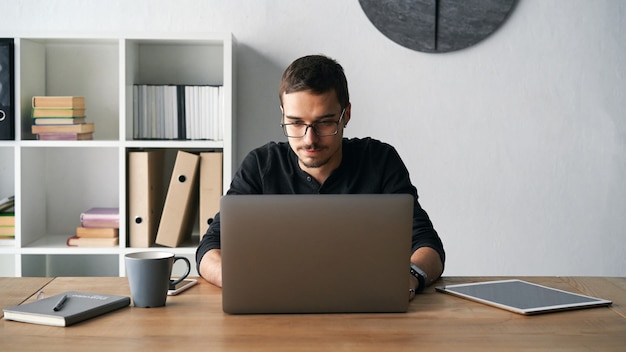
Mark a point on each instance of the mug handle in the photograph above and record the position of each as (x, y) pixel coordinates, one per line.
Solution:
(174, 282)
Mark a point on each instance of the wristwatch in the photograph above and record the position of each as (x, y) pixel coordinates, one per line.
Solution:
(420, 275)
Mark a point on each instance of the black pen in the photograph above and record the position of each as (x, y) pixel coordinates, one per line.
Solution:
(60, 304)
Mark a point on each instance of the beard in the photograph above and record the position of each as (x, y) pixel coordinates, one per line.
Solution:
(313, 162)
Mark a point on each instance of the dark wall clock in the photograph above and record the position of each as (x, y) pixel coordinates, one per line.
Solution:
(437, 26)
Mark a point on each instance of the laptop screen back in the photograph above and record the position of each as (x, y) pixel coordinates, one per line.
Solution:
(315, 253)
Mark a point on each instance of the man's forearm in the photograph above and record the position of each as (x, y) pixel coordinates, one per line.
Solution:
(211, 267)
(428, 260)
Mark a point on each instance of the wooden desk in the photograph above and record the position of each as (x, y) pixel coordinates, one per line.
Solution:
(15, 290)
(194, 321)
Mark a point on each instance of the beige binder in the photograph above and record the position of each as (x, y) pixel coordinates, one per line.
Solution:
(145, 196)
(210, 187)
(180, 202)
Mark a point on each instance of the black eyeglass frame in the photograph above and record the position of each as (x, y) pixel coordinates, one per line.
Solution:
(313, 125)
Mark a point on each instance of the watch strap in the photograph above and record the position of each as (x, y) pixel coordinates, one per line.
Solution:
(420, 275)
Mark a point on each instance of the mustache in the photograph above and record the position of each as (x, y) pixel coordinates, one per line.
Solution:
(311, 147)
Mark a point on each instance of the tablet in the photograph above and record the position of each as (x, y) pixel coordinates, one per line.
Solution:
(522, 297)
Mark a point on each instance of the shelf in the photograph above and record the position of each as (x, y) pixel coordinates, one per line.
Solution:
(64, 66)
(70, 144)
(54, 181)
(56, 244)
(7, 247)
(199, 144)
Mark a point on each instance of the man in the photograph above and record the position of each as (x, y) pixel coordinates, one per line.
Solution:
(317, 159)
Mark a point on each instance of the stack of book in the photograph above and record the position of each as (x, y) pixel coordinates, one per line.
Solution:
(7, 221)
(60, 118)
(99, 228)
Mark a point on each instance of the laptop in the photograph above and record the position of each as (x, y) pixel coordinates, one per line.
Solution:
(315, 253)
(522, 297)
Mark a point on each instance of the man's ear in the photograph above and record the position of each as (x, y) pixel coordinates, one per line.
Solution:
(347, 115)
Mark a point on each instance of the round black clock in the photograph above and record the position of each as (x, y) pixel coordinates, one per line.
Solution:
(437, 26)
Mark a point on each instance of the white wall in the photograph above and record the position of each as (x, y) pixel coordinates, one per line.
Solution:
(517, 145)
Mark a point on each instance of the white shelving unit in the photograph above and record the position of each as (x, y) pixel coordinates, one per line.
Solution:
(54, 181)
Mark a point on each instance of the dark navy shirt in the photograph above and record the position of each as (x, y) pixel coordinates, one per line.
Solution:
(368, 166)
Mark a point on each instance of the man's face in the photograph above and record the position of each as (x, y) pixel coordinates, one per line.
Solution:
(316, 154)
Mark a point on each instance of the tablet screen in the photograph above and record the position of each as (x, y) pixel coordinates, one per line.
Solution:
(522, 297)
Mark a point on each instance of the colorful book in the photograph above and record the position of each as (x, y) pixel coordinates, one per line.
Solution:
(100, 223)
(97, 232)
(57, 112)
(60, 136)
(58, 102)
(74, 307)
(59, 121)
(100, 217)
(81, 128)
(7, 219)
(7, 231)
(101, 213)
(76, 241)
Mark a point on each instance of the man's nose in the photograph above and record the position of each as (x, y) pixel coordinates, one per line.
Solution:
(310, 135)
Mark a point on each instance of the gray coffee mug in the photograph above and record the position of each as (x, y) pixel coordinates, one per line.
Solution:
(149, 276)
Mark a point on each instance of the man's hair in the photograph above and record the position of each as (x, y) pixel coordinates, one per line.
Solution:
(317, 73)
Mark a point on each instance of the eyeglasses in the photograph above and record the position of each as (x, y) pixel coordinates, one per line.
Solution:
(320, 128)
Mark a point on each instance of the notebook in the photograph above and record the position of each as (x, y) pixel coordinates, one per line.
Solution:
(522, 297)
(315, 253)
(66, 309)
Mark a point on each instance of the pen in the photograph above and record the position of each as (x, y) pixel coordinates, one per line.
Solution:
(60, 304)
